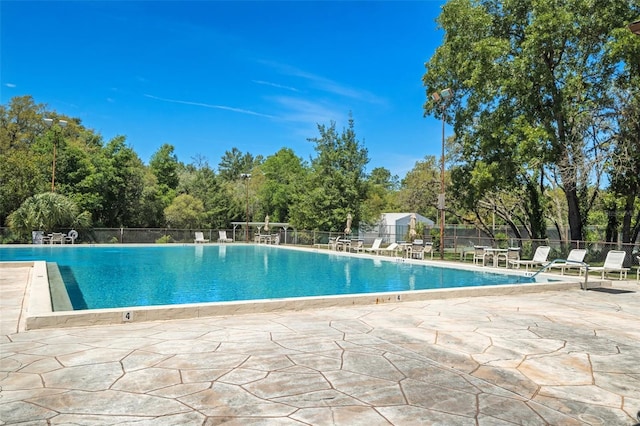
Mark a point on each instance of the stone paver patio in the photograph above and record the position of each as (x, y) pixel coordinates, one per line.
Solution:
(557, 358)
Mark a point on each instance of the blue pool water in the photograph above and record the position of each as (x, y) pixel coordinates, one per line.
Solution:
(122, 276)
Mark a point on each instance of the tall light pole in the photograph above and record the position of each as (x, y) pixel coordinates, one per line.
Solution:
(49, 123)
(246, 177)
(442, 98)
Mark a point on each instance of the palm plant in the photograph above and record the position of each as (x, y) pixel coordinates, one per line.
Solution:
(47, 211)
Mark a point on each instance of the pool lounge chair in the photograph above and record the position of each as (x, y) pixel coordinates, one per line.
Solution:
(222, 237)
(539, 258)
(375, 247)
(200, 238)
(392, 249)
(613, 263)
(575, 259)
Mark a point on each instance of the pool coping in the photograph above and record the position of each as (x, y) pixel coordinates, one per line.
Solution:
(40, 314)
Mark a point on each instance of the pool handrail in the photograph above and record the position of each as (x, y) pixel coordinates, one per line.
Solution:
(555, 261)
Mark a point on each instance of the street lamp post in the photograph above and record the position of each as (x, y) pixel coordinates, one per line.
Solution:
(442, 98)
(49, 123)
(246, 177)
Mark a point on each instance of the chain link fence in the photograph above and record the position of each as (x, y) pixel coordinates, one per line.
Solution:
(459, 240)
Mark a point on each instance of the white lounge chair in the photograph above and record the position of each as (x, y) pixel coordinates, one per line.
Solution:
(539, 258)
(200, 238)
(391, 249)
(222, 237)
(575, 259)
(375, 247)
(613, 263)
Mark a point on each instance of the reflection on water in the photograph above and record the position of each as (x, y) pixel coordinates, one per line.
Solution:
(347, 274)
(121, 276)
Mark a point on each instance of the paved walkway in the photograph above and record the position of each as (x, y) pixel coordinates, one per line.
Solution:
(558, 358)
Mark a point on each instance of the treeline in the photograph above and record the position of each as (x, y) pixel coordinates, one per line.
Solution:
(105, 184)
(112, 187)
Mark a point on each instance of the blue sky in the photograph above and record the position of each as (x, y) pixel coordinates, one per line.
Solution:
(207, 76)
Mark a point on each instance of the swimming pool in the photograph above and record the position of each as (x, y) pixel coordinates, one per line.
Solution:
(99, 277)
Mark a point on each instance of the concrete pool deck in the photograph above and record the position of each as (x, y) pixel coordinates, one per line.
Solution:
(557, 357)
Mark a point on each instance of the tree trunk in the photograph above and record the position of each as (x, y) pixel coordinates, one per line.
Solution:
(575, 219)
(535, 212)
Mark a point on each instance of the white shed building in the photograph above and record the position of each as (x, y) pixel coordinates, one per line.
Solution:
(394, 227)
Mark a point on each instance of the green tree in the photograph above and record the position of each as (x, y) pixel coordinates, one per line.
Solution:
(20, 123)
(382, 194)
(336, 184)
(23, 171)
(164, 164)
(623, 167)
(152, 203)
(281, 171)
(186, 211)
(420, 188)
(48, 211)
(233, 163)
(382, 177)
(200, 180)
(530, 79)
(119, 180)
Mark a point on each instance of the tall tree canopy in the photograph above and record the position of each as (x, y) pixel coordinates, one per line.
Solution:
(335, 185)
(532, 82)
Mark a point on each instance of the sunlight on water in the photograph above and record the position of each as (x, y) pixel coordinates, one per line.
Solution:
(120, 276)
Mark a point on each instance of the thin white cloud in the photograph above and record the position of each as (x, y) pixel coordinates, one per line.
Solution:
(11, 85)
(325, 84)
(213, 106)
(276, 85)
(304, 111)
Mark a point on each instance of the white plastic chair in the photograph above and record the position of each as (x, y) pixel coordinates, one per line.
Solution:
(613, 263)
(200, 238)
(222, 237)
(539, 258)
(574, 260)
(375, 247)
